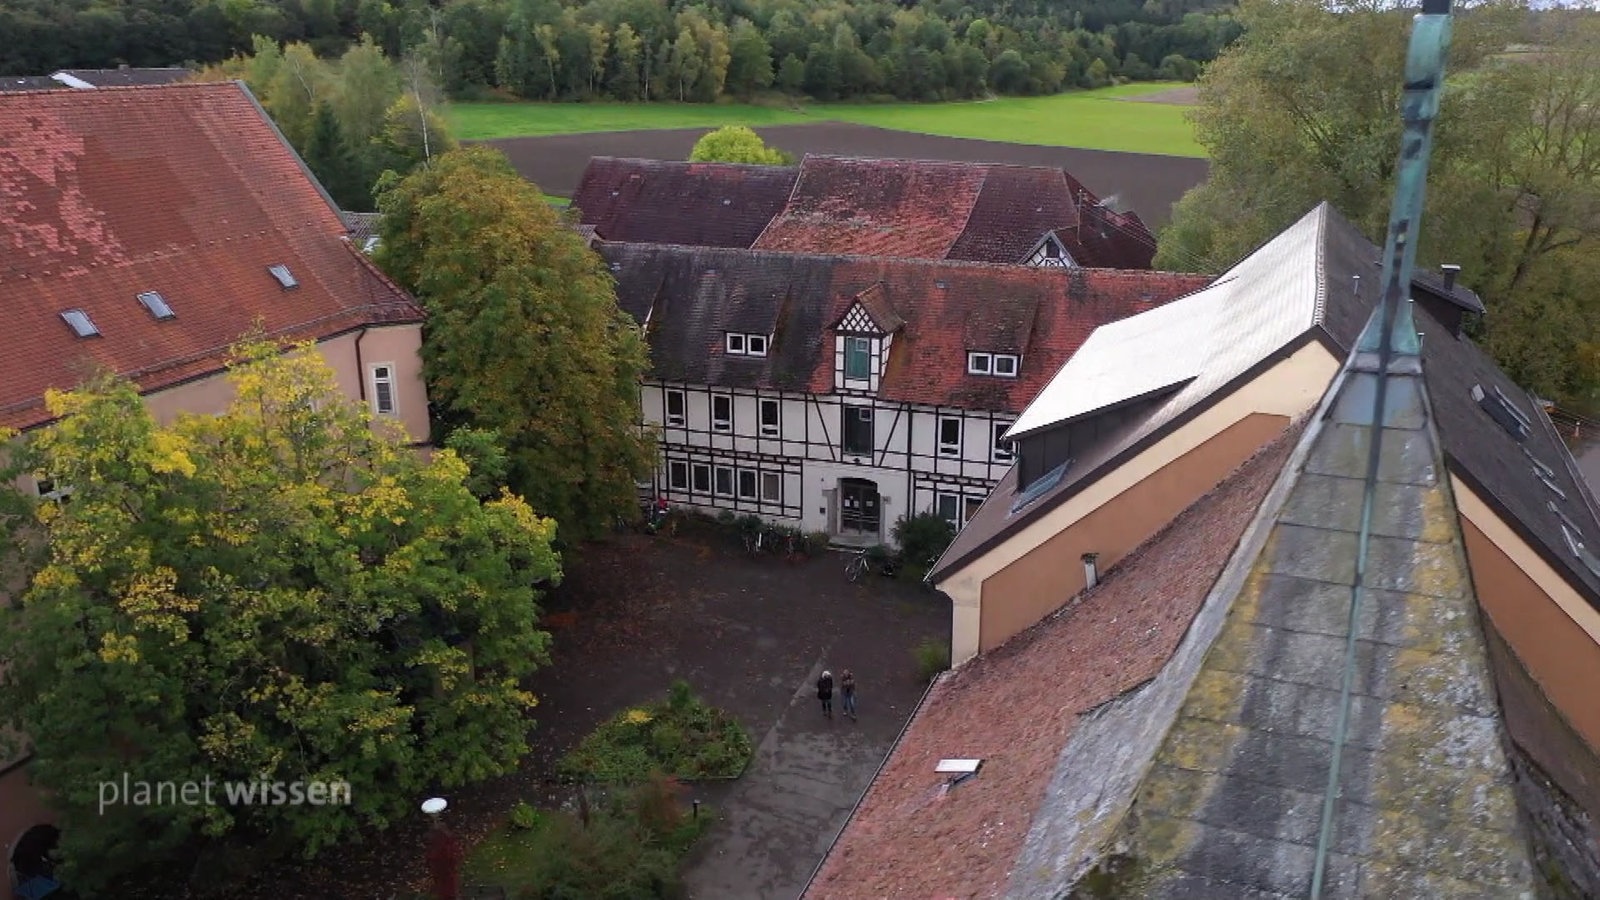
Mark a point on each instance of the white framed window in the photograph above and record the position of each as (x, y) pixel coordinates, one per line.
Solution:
(747, 484)
(1002, 452)
(770, 418)
(383, 398)
(949, 436)
(721, 412)
(1007, 364)
(724, 481)
(948, 506)
(678, 475)
(735, 344)
(701, 473)
(980, 363)
(676, 404)
(755, 344)
(772, 487)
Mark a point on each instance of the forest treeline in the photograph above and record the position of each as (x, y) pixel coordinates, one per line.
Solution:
(658, 49)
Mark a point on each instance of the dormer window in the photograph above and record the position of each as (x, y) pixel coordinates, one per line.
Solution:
(1004, 365)
(746, 344)
(857, 358)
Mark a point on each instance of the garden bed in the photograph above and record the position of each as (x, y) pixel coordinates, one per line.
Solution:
(680, 736)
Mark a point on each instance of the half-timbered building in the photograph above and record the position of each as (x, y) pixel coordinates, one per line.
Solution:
(917, 209)
(839, 393)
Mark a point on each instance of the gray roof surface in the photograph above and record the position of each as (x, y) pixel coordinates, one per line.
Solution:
(1301, 282)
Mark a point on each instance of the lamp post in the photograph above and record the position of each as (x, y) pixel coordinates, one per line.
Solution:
(444, 853)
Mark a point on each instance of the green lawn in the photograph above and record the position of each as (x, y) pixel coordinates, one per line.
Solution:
(1094, 120)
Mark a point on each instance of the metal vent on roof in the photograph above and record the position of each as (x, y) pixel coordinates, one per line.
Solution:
(1565, 522)
(156, 304)
(80, 323)
(284, 276)
(1503, 411)
(1040, 485)
(1555, 488)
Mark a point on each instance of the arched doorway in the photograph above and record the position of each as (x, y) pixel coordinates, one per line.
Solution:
(860, 510)
(33, 867)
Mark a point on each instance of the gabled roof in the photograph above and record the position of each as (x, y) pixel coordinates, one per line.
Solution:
(121, 77)
(696, 204)
(187, 190)
(910, 837)
(692, 296)
(1317, 280)
(977, 212)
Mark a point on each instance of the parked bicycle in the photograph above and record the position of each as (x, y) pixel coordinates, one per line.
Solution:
(871, 559)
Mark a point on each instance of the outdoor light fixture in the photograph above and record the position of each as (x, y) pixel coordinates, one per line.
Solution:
(433, 806)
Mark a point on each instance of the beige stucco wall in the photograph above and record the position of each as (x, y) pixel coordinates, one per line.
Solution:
(399, 346)
(1550, 628)
(1282, 393)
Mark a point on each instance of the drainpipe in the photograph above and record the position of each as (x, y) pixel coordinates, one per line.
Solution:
(361, 370)
(1091, 573)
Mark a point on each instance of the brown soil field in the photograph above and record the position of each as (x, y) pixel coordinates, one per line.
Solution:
(1145, 183)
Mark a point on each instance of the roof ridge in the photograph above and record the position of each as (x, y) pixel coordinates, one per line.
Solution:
(1319, 306)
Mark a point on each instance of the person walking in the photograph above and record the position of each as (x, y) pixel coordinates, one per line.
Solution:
(825, 692)
(847, 690)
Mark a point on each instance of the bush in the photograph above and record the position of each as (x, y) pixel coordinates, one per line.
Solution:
(922, 538)
(932, 657)
(817, 542)
(681, 737)
(524, 817)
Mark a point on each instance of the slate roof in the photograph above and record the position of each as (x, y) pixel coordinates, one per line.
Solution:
(691, 296)
(29, 83)
(910, 837)
(1299, 286)
(362, 225)
(187, 190)
(124, 77)
(698, 204)
(977, 212)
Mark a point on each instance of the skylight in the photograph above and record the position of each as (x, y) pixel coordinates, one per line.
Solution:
(156, 304)
(284, 276)
(1040, 485)
(80, 323)
(1502, 410)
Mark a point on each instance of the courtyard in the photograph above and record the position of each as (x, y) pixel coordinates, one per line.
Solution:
(750, 635)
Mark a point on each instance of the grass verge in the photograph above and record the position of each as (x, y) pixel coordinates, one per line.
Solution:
(1093, 120)
(680, 736)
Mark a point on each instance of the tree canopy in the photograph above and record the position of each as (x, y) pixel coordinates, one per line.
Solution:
(524, 335)
(656, 49)
(1305, 107)
(351, 118)
(276, 593)
(737, 144)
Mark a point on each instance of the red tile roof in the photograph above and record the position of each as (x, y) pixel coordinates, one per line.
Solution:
(698, 204)
(876, 207)
(950, 309)
(188, 190)
(1015, 708)
(974, 212)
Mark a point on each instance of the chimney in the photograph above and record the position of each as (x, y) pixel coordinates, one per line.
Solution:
(1449, 272)
(1091, 572)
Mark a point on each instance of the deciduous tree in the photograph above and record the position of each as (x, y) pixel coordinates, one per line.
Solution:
(736, 144)
(524, 334)
(282, 592)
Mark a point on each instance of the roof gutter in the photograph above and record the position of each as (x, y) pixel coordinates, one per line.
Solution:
(915, 711)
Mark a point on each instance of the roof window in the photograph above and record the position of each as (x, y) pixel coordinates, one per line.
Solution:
(1040, 485)
(958, 770)
(156, 305)
(1502, 410)
(80, 323)
(284, 276)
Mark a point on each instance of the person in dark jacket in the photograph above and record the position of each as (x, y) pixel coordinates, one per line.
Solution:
(847, 690)
(825, 692)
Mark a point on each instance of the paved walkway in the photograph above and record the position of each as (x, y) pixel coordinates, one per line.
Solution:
(779, 819)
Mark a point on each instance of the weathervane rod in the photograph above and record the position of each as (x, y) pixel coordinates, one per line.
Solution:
(1391, 332)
